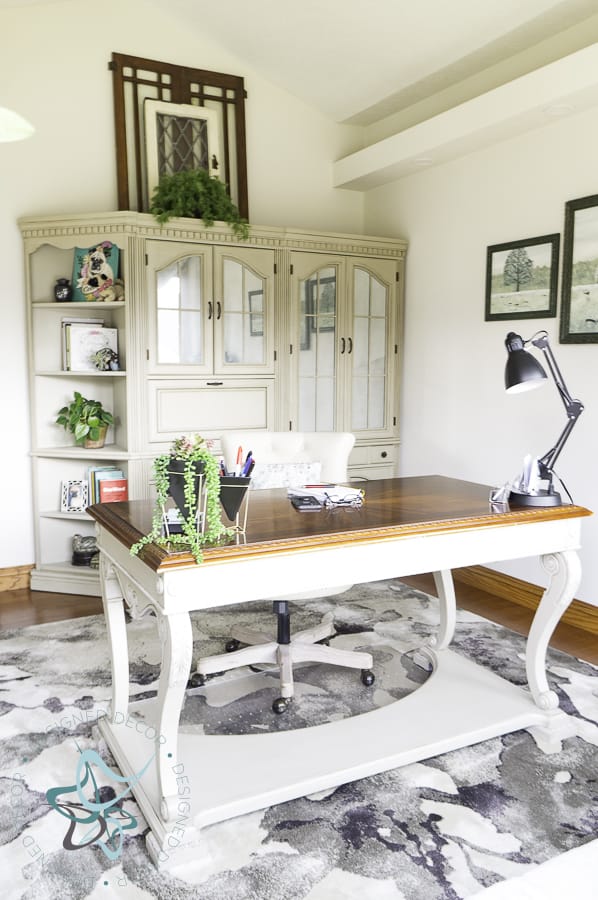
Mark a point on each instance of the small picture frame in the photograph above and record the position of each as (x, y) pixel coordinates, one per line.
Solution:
(95, 272)
(321, 303)
(579, 306)
(256, 313)
(73, 496)
(522, 279)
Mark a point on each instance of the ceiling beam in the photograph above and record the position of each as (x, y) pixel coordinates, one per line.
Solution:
(562, 88)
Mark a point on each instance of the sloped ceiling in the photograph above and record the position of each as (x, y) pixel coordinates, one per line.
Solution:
(361, 60)
(415, 76)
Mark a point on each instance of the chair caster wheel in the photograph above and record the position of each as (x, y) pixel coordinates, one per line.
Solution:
(232, 645)
(280, 705)
(367, 677)
(197, 680)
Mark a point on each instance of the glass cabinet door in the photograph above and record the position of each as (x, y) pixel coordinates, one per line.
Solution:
(317, 350)
(211, 309)
(344, 359)
(179, 277)
(243, 293)
(368, 351)
(178, 312)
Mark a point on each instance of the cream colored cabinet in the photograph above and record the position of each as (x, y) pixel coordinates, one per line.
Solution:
(288, 329)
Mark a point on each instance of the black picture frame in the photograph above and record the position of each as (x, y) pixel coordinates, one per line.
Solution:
(579, 291)
(532, 261)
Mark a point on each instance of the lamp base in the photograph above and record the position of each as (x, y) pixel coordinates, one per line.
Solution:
(542, 498)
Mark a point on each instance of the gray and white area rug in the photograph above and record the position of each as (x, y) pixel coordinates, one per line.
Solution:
(443, 828)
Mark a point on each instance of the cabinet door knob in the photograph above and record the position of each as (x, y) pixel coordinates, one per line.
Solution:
(350, 343)
(218, 309)
(210, 310)
(214, 383)
(342, 345)
(384, 454)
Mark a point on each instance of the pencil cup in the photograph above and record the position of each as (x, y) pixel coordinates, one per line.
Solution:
(234, 497)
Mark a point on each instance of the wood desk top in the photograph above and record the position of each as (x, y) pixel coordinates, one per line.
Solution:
(393, 507)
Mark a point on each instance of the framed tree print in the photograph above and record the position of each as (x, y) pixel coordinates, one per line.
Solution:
(579, 308)
(522, 278)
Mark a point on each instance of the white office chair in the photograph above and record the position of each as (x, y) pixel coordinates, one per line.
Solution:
(283, 459)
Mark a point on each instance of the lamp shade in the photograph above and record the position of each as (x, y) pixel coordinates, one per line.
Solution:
(523, 371)
(13, 127)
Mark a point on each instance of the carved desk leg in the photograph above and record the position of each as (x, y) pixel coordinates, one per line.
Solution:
(565, 574)
(177, 645)
(445, 591)
(112, 598)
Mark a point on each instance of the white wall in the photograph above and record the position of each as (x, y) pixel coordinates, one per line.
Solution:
(54, 71)
(456, 418)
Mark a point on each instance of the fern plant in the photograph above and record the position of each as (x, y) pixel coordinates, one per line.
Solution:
(195, 194)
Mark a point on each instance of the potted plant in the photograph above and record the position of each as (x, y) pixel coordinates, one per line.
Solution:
(196, 194)
(188, 467)
(86, 419)
(105, 359)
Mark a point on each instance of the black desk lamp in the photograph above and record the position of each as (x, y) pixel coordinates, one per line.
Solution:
(522, 373)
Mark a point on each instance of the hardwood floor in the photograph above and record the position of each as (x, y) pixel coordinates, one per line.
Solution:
(571, 640)
(25, 607)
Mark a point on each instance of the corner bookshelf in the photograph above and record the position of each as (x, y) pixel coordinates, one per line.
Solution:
(50, 246)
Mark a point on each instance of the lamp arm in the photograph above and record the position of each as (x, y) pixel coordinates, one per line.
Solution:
(573, 408)
(541, 342)
(546, 462)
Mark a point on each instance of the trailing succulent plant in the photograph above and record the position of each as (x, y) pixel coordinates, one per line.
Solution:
(191, 450)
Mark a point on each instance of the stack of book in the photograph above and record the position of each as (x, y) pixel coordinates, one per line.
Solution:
(81, 340)
(107, 484)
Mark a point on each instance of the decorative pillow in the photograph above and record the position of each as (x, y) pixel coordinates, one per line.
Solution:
(275, 475)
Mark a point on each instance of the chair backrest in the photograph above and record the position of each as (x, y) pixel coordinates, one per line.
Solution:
(329, 448)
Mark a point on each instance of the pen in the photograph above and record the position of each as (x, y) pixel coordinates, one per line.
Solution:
(247, 465)
(239, 461)
(222, 466)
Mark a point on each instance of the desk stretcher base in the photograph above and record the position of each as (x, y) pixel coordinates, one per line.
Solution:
(460, 704)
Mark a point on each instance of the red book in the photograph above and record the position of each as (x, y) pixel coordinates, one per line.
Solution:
(112, 489)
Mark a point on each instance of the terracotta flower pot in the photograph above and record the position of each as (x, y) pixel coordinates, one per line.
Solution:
(95, 445)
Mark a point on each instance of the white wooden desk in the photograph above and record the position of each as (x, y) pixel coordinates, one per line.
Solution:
(406, 526)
